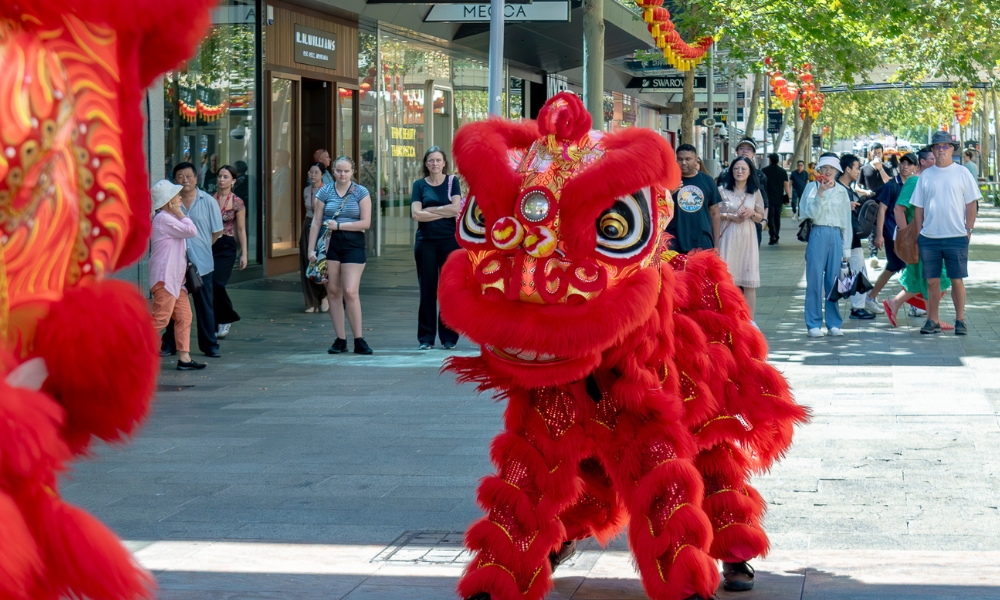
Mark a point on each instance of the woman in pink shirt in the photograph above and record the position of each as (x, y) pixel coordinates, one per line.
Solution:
(167, 264)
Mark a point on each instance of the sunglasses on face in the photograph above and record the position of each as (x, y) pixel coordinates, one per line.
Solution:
(941, 147)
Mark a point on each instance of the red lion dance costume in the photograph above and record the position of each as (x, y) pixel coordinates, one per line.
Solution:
(78, 354)
(637, 389)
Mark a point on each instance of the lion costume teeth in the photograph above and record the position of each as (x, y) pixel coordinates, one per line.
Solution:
(636, 386)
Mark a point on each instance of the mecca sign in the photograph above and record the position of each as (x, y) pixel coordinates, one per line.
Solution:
(315, 47)
(513, 13)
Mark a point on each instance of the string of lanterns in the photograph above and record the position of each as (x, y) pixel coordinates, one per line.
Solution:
(208, 112)
(963, 112)
(810, 101)
(678, 53)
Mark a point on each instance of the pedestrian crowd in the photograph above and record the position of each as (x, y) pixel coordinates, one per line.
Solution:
(924, 203)
(919, 208)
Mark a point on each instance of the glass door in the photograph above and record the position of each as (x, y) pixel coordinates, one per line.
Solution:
(283, 223)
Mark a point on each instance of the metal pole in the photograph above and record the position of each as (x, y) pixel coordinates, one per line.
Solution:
(710, 161)
(496, 58)
(731, 120)
(593, 61)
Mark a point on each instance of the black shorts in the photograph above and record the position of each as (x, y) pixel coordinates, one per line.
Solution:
(893, 263)
(953, 252)
(347, 247)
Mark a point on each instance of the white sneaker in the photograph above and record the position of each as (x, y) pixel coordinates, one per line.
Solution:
(816, 332)
(872, 305)
(795, 216)
(917, 312)
(223, 331)
(874, 264)
(835, 331)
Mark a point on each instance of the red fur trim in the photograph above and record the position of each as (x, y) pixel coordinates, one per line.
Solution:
(638, 158)
(30, 444)
(101, 352)
(21, 567)
(498, 583)
(85, 559)
(481, 154)
(739, 542)
(692, 572)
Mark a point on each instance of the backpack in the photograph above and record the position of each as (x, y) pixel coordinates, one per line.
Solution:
(864, 218)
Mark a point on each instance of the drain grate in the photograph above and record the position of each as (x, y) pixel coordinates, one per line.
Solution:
(426, 547)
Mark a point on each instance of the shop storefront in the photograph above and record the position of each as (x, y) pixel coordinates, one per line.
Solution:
(415, 95)
(311, 90)
(210, 115)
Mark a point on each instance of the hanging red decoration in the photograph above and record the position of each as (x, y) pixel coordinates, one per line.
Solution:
(678, 53)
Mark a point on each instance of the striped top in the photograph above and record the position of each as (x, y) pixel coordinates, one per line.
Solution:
(332, 200)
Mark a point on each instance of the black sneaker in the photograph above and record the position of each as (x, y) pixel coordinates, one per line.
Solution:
(860, 313)
(360, 346)
(960, 328)
(425, 346)
(338, 346)
(932, 327)
(190, 366)
(448, 345)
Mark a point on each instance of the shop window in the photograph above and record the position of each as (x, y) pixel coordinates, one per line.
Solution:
(283, 142)
(210, 109)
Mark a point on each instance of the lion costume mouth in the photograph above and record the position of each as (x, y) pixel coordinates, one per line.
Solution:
(525, 357)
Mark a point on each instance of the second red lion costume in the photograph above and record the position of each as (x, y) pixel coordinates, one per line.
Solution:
(637, 389)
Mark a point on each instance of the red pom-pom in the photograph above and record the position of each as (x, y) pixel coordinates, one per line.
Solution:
(101, 352)
(20, 564)
(564, 117)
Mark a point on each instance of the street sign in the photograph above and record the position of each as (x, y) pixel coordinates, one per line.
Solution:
(663, 84)
(513, 13)
(774, 118)
(720, 114)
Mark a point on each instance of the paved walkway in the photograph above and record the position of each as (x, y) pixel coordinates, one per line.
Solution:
(284, 472)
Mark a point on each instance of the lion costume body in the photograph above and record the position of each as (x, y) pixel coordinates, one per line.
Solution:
(636, 385)
(78, 354)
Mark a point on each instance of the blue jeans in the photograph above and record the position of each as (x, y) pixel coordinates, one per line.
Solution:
(823, 255)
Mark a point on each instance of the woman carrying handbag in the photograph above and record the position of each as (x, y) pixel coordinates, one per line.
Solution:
(345, 208)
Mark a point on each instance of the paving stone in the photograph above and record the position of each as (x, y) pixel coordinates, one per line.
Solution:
(280, 457)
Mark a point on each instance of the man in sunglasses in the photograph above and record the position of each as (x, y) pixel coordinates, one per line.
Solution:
(945, 202)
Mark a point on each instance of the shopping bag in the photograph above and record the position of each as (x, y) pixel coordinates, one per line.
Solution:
(844, 286)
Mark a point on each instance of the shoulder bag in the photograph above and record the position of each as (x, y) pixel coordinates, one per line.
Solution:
(316, 271)
(193, 282)
(906, 244)
(805, 228)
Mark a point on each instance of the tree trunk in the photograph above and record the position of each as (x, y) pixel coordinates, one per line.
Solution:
(687, 109)
(593, 57)
(758, 85)
(833, 141)
(803, 149)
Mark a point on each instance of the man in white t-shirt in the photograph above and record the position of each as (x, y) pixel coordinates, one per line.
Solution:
(945, 201)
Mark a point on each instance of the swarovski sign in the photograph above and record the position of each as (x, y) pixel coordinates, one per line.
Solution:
(315, 47)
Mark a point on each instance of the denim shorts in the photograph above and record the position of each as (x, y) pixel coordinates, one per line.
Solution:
(954, 252)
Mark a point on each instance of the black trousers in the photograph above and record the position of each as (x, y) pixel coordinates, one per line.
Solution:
(774, 221)
(313, 293)
(204, 309)
(430, 256)
(224, 254)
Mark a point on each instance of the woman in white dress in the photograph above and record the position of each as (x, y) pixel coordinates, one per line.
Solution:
(742, 206)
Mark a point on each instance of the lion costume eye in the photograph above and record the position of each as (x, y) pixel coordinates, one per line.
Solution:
(624, 229)
(473, 223)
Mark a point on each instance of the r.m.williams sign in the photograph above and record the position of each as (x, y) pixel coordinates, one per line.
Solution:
(315, 47)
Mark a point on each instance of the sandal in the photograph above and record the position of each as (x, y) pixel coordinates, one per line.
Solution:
(738, 576)
(888, 312)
